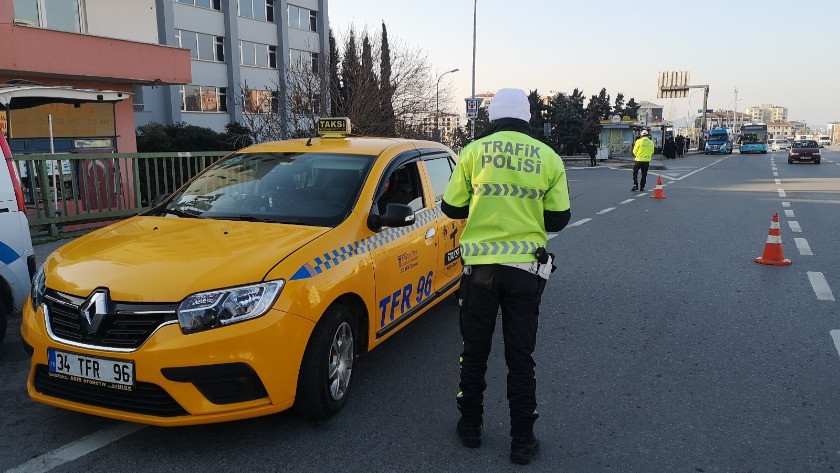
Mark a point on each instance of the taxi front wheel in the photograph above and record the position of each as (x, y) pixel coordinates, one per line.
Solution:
(324, 381)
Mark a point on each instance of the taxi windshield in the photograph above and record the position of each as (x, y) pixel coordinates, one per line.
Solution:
(298, 188)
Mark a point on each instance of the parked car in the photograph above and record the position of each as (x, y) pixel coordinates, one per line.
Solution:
(17, 258)
(804, 150)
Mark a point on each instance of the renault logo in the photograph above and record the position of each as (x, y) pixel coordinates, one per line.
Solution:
(94, 309)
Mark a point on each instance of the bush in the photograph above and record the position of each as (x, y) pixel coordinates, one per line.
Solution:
(181, 137)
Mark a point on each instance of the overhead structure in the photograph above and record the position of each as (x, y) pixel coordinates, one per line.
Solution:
(675, 85)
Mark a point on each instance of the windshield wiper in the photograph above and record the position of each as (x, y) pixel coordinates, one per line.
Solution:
(180, 213)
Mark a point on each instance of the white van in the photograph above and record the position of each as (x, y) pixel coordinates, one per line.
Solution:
(824, 141)
(17, 258)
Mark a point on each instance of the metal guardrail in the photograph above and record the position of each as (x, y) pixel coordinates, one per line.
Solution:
(72, 192)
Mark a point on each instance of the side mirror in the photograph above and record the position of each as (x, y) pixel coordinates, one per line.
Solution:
(396, 215)
(160, 198)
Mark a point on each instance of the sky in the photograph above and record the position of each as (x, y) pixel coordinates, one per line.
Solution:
(774, 52)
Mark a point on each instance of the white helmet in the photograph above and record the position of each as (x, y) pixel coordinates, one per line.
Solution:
(645, 133)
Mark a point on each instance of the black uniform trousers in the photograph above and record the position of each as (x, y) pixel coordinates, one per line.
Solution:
(518, 293)
(643, 165)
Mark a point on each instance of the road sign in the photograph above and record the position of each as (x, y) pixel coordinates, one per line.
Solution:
(708, 110)
(673, 85)
(472, 106)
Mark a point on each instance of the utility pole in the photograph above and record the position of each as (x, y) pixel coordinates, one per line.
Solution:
(472, 128)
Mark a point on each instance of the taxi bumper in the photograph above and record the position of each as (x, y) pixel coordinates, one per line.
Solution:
(229, 373)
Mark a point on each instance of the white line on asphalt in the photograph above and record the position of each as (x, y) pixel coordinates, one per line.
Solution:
(803, 247)
(77, 449)
(551, 235)
(605, 211)
(794, 226)
(641, 195)
(774, 168)
(835, 335)
(698, 170)
(579, 222)
(781, 193)
(775, 174)
(778, 182)
(626, 201)
(785, 204)
(820, 286)
(789, 214)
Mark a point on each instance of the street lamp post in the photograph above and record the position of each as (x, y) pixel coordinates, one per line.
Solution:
(437, 99)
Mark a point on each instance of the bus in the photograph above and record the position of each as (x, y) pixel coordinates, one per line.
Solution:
(753, 138)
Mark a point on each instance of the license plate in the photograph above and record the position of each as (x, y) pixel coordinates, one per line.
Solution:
(116, 374)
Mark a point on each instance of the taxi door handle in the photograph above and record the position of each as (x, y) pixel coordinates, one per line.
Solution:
(430, 233)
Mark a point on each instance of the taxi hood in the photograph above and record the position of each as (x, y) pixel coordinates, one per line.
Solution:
(160, 259)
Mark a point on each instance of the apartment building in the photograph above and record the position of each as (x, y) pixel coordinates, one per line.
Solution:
(767, 113)
(93, 44)
(242, 52)
(447, 123)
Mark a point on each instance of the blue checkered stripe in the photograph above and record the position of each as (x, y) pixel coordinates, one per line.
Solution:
(335, 257)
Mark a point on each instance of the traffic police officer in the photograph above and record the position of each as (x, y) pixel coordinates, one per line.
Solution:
(512, 189)
(643, 151)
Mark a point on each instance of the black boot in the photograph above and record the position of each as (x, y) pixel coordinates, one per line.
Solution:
(522, 451)
(470, 435)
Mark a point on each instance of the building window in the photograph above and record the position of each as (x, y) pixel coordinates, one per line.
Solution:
(261, 101)
(209, 4)
(195, 98)
(257, 54)
(306, 104)
(262, 10)
(299, 60)
(62, 15)
(203, 47)
(303, 18)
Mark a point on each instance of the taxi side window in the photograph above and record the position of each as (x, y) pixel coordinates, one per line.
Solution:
(402, 187)
(440, 170)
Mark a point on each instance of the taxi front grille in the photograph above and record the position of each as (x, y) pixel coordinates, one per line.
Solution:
(127, 326)
(146, 398)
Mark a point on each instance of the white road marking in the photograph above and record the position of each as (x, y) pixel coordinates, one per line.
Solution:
(794, 226)
(626, 201)
(605, 211)
(789, 214)
(778, 182)
(781, 193)
(642, 194)
(579, 222)
(785, 204)
(835, 335)
(551, 235)
(803, 247)
(77, 449)
(775, 174)
(698, 170)
(820, 286)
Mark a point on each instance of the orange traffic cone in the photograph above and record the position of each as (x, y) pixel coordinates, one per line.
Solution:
(658, 193)
(774, 254)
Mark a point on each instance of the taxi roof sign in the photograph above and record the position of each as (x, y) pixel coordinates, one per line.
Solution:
(334, 127)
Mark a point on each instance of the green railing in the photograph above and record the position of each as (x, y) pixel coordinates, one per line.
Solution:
(73, 192)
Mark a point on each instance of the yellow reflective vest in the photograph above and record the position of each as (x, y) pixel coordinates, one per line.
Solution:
(508, 180)
(643, 149)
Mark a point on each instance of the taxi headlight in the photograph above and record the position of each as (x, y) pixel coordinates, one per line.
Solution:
(206, 310)
(39, 286)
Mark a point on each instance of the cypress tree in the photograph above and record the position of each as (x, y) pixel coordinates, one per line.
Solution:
(385, 87)
(336, 89)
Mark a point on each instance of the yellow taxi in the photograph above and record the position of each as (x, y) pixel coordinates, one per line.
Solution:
(251, 289)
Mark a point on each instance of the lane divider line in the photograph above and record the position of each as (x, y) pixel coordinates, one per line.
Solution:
(781, 192)
(626, 201)
(605, 211)
(820, 286)
(775, 174)
(641, 195)
(704, 167)
(835, 335)
(803, 247)
(579, 222)
(77, 449)
(789, 214)
(794, 226)
(785, 204)
(778, 182)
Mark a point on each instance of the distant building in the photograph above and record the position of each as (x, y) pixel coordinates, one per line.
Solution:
(486, 97)
(448, 123)
(650, 111)
(779, 130)
(767, 113)
(833, 131)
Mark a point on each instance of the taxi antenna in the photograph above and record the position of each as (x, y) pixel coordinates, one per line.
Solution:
(309, 141)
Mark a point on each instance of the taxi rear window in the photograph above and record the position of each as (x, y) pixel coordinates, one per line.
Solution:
(298, 188)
